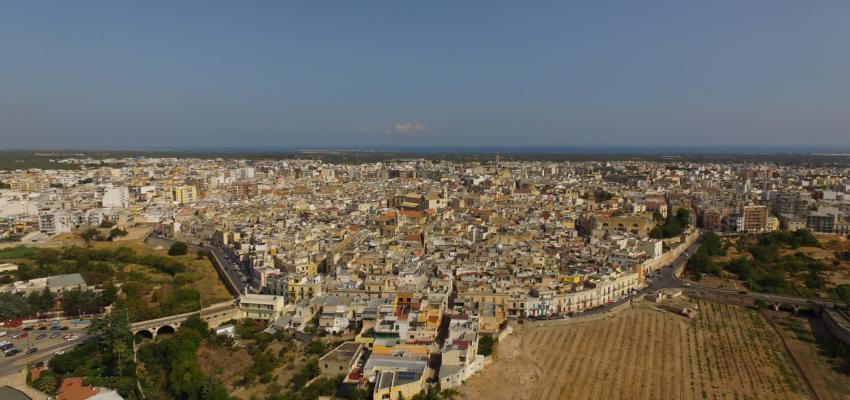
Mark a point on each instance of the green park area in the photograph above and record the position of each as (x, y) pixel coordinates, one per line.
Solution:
(795, 263)
(148, 282)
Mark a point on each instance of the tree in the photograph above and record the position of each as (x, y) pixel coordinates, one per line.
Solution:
(315, 347)
(89, 234)
(48, 300)
(815, 280)
(711, 244)
(683, 217)
(213, 389)
(107, 296)
(602, 195)
(843, 292)
(178, 249)
(701, 263)
(46, 382)
(76, 302)
(13, 305)
(485, 345)
(117, 232)
(186, 378)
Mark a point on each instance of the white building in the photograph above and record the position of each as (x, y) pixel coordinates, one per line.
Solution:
(116, 197)
(54, 223)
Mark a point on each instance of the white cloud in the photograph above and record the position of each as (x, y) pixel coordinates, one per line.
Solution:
(414, 128)
(410, 128)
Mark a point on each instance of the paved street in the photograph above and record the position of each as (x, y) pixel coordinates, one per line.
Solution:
(46, 347)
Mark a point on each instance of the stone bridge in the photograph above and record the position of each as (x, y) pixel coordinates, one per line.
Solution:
(214, 315)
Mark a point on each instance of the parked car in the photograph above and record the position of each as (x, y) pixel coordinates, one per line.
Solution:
(12, 352)
(42, 336)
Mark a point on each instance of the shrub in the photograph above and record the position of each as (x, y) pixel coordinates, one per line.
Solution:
(485, 345)
(178, 249)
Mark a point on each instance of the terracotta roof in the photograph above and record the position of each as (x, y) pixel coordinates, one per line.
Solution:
(74, 389)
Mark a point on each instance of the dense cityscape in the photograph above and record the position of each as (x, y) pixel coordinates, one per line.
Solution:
(378, 280)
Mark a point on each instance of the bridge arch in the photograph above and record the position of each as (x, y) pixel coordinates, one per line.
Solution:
(144, 333)
(165, 329)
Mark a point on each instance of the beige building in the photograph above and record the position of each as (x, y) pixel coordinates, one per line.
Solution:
(755, 218)
(184, 194)
(341, 360)
(261, 306)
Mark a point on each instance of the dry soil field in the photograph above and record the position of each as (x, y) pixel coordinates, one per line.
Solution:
(727, 352)
(812, 346)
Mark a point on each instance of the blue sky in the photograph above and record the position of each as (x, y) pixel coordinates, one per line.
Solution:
(398, 73)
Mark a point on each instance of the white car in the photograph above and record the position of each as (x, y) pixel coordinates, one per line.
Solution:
(59, 353)
(72, 338)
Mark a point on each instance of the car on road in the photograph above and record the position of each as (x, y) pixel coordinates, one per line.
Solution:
(59, 353)
(42, 336)
(31, 350)
(55, 335)
(21, 335)
(29, 328)
(72, 338)
(686, 284)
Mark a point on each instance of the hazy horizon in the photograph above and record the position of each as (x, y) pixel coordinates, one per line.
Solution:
(195, 75)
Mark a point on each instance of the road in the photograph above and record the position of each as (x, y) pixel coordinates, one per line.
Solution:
(46, 347)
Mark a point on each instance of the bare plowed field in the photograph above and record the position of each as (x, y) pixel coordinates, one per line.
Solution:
(727, 352)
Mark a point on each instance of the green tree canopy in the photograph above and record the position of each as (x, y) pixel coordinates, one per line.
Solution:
(178, 249)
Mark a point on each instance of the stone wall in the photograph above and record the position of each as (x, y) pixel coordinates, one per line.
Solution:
(672, 254)
(838, 324)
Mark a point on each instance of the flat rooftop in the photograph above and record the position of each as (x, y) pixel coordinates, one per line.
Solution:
(344, 352)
